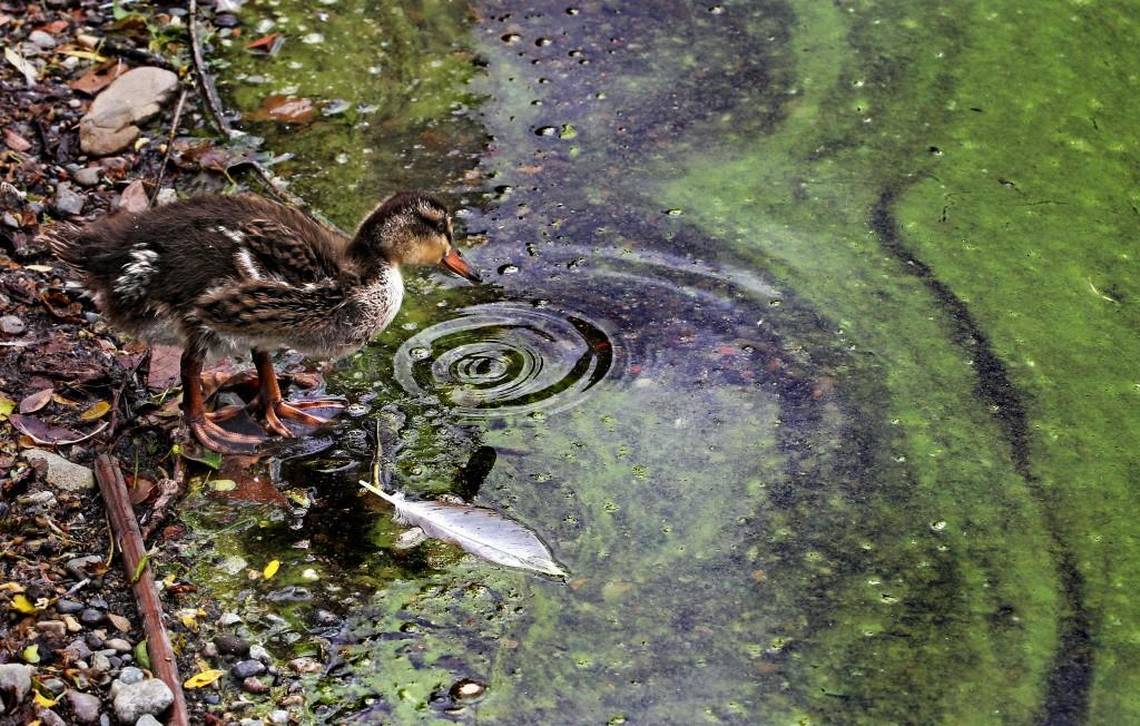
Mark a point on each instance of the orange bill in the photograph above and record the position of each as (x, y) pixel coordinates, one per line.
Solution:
(454, 263)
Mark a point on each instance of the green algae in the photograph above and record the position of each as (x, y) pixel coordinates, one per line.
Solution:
(892, 560)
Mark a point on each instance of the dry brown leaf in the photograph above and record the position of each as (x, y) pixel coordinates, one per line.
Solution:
(285, 109)
(37, 400)
(16, 142)
(133, 198)
(99, 77)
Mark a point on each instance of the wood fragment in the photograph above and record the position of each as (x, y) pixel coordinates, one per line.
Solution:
(125, 529)
(169, 145)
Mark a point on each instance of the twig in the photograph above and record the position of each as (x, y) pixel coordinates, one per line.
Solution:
(126, 530)
(170, 492)
(108, 46)
(214, 106)
(169, 145)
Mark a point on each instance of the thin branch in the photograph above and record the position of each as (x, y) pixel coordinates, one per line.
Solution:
(169, 145)
(126, 531)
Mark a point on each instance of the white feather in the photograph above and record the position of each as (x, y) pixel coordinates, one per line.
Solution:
(479, 530)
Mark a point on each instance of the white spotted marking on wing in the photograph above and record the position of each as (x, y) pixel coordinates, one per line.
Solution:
(137, 273)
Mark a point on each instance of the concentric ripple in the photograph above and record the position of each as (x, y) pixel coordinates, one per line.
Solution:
(506, 359)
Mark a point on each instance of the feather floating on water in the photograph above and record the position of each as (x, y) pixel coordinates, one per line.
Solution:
(479, 530)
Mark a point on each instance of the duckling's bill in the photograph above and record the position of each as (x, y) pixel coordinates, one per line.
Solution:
(452, 262)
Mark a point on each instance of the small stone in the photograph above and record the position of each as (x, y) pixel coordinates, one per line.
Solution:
(72, 624)
(68, 201)
(12, 325)
(305, 664)
(78, 650)
(118, 645)
(52, 627)
(247, 668)
(91, 616)
(165, 196)
(88, 176)
(49, 717)
(258, 652)
(133, 700)
(254, 685)
(147, 720)
(228, 619)
(131, 675)
(100, 663)
(42, 40)
(210, 650)
(64, 605)
(232, 645)
(84, 706)
(15, 682)
(278, 716)
(63, 474)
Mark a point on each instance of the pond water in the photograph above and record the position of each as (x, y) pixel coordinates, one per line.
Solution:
(808, 345)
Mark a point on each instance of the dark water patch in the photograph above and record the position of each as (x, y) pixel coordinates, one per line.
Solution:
(1067, 693)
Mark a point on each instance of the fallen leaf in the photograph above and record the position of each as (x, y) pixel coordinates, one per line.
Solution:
(139, 489)
(285, 109)
(31, 654)
(55, 27)
(481, 531)
(7, 405)
(16, 142)
(97, 411)
(139, 568)
(21, 604)
(203, 678)
(85, 54)
(99, 77)
(165, 365)
(43, 433)
(223, 485)
(43, 701)
(22, 65)
(271, 569)
(133, 198)
(199, 454)
(36, 401)
(142, 657)
(267, 44)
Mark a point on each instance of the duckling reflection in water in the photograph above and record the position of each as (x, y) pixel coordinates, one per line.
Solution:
(222, 275)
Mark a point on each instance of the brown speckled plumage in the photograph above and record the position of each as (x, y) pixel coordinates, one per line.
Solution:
(225, 274)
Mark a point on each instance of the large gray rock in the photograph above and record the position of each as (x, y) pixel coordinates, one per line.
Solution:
(61, 473)
(109, 126)
(15, 682)
(137, 699)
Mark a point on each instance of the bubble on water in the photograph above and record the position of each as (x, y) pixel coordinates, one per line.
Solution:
(508, 269)
(510, 38)
(420, 353)
(505, 359)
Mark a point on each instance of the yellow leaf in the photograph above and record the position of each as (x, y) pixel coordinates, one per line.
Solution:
(23, 605)
(43, 701)
(31, 654)
(203, 678)
(7, 405)
(85, 54)
(223, 485)
(97, 410)
(189, 621)
(271, 569)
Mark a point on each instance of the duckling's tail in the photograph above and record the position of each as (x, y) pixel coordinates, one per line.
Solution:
(63, 239)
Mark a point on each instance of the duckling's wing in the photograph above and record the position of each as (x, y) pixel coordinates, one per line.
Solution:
(267, 249)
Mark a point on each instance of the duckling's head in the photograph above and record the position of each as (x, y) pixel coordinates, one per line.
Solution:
(410, 228)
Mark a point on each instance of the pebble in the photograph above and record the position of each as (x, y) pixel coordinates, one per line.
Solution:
(166, 195)
(68, 201)
(147, 720)
(16, 679)
(43, 40)
(84, 706)
(52, 627)
(91, 616)
(254, 685)
(63, 474)
(78, 649)
(305, 664)
(247, 668)
(118, 645)
(232, 645)
(77, 567)
(87, 176)
(55, 685)
(49, 717)
(100, 663)
(12, 325)
(136, 699)
(131, 675)
(65, 606)
(278, 716)
(258, 652)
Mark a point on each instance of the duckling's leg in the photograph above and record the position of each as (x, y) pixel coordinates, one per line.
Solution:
(308, 414)
(205, 426)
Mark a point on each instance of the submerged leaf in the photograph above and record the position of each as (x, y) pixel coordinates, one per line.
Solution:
(481, 531)
(271, 569)
(44, 433)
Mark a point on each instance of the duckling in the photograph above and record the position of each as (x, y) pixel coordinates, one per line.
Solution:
(220, 275)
